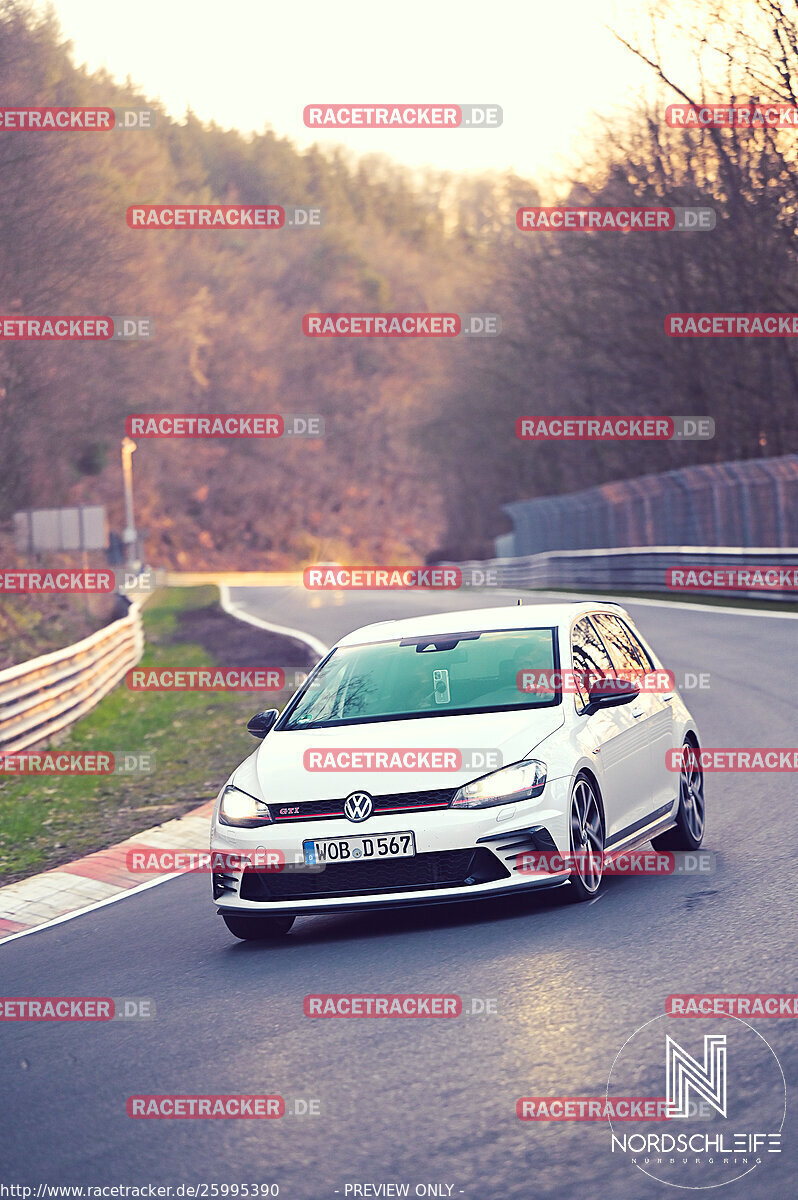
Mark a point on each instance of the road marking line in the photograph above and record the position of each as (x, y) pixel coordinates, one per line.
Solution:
(235, 610)
(78, 912)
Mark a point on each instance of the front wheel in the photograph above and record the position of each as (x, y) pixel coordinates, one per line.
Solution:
(257, 929)
(587, 840)
(688, 833)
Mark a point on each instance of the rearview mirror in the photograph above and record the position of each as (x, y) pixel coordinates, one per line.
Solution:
(609, 693)
(262, 722)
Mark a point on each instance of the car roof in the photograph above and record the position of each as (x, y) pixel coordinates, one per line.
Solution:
(516, 616)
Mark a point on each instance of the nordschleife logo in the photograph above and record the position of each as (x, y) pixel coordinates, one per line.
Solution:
(725, 1102)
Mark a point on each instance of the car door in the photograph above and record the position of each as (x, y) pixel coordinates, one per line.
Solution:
(612, 737)
(652, 710)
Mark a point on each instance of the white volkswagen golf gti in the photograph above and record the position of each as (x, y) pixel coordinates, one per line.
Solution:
(456, 756)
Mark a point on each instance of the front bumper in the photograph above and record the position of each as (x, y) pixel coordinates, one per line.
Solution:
(460, 855)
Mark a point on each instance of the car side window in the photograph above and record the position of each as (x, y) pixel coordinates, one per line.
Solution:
(589, 657)
(627, 651)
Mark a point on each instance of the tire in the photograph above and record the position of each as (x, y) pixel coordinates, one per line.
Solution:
(688, 832)
(258, 929)
(586, 825)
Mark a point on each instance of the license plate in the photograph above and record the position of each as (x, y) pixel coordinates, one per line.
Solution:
(355, 849)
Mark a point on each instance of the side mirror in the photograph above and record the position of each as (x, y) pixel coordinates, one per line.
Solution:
(262, 722)
(609, 693)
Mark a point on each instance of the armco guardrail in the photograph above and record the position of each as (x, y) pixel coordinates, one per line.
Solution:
(636, 569)
(41, 697)
(749, 503)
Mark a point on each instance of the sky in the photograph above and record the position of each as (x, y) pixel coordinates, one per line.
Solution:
(247, 64)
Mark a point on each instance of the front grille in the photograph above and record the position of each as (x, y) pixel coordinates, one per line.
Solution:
(399, 802)
(447, 868)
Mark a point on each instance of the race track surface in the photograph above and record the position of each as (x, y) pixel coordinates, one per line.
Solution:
(419, 1101)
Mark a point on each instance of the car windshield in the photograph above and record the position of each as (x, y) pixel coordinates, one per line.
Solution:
(426, 676)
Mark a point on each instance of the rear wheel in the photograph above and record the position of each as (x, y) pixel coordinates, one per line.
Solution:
(688, 833)
(587, 840)
(257, 929)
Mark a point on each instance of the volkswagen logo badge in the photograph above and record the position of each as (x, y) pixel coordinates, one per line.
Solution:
(358, 806)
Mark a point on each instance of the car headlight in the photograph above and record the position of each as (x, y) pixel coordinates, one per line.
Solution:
(522, 781)
(239, 808)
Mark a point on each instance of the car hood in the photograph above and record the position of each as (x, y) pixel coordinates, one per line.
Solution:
(283, 777)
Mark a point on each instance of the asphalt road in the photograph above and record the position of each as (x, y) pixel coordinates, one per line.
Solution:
(426, 1101)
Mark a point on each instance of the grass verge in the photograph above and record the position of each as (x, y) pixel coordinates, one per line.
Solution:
(33, 624)
(196, 739)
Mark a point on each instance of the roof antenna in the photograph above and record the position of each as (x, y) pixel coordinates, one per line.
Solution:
(519, 602)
